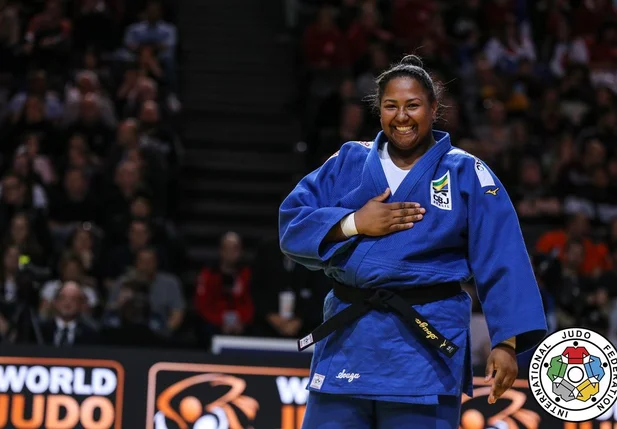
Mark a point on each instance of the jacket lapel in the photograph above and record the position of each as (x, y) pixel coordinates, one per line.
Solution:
(426, 164)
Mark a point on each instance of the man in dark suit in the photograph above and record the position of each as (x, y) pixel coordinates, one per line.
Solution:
(68, 328)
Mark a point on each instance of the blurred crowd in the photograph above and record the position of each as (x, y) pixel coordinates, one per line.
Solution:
(91, 153)
(89, 164)
(528, 86)
(89, 161)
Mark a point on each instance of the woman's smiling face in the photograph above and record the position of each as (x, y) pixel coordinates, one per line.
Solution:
(407, 113)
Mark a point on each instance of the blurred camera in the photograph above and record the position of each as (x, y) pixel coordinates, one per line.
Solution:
(29, 279)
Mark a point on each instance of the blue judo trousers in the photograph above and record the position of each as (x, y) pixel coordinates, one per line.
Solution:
(325, 411)
(377, 372)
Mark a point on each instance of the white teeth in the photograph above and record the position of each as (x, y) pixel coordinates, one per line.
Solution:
(403, 129)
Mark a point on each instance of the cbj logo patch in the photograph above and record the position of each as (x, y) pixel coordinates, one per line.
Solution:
(441, 195)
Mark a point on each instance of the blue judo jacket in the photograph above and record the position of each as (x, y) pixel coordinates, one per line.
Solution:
(470, 232)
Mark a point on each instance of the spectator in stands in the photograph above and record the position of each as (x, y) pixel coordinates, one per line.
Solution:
(594, 258)
(596, 313)
(285, 294)
(133, 322)
(24, 238)
(411, 19)
(30, 118)
(379, 62)
(22, 166)
(8, 287)
(579, 176)
(495, 133)
(10, 33)
(364, 30)
(68, 328)
(41, 164)
(84, 242)
(87, 82)
(571, 290)
(126, 185)
(70, 269)
(38, 87)
(93, 25)
(91, 124)
(149, 159)
(567, 49)
(137, 89)
(323, 43)
(8, 273)
(155, 135)
(123, 256)
(157, 35)
(164, 291)
(223, 298)
(79, 156)
(535, 202)
(73, 205)
(602, 51)
(48, 38)
(353, 126)
(127, 137)
(149, 65)
(15, 196)
(509, 46)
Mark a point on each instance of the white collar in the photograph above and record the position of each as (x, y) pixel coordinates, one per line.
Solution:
(61, 324)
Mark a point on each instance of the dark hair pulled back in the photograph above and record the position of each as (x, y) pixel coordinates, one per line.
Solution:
(410, 66)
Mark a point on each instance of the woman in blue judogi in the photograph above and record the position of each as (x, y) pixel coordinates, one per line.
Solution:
(398, 224)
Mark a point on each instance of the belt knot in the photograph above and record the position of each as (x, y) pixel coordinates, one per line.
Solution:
(379, 300)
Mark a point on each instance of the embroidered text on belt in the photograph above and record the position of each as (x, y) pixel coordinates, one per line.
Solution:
(398, 301)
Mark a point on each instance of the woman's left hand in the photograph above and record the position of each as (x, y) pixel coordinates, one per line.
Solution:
(502, 361)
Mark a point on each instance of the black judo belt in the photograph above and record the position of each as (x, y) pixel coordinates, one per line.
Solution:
(388, 300)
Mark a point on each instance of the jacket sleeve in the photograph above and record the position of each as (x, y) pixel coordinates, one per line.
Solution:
(501, 266)
(306, 216)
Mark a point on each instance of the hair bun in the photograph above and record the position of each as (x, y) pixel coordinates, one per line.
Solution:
(412, 60)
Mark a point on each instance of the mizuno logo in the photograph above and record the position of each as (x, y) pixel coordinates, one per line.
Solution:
(493, 192)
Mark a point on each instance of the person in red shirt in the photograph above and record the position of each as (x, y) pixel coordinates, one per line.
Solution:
(47, 37)
(223, 299)
(324, 45)
(365, 29)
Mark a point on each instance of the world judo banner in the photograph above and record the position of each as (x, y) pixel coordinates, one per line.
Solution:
(225, 396)
(61, 393)
(104, 388)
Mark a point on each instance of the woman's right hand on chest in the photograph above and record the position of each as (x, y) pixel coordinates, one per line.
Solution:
(377, 218)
